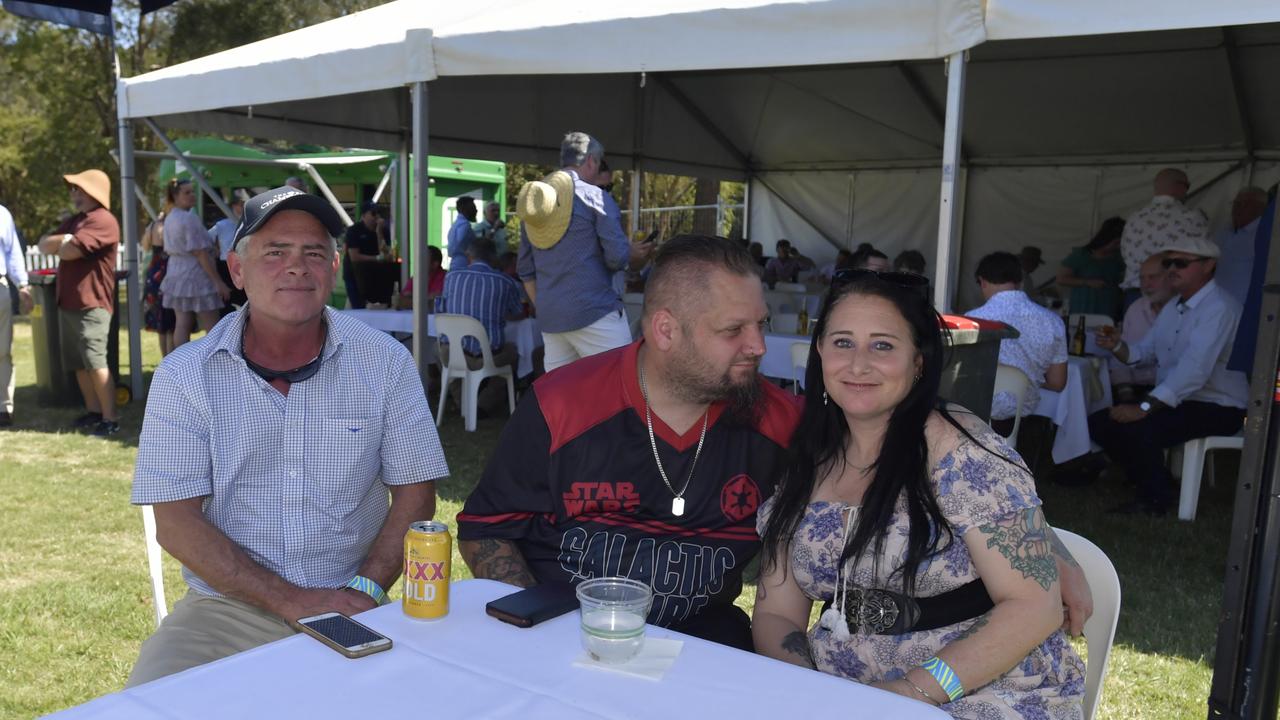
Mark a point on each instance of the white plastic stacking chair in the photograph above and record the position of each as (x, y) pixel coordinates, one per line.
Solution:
(1195, 465)
(1100, 629)
(790, 287)
(457, 327)
(634, 305)
(1091, 320)
(1013, 381)
(784, 323)
(155, 566)
(799, 364)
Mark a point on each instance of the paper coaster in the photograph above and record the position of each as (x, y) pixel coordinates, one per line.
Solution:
(651, 663)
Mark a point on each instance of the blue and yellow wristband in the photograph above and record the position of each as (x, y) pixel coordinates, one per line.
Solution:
(370, 588)
(946, 677)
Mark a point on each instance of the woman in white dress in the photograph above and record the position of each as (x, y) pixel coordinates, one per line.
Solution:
(191, 286)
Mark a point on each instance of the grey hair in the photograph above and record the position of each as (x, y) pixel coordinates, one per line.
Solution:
(576, 147)
(243, 244)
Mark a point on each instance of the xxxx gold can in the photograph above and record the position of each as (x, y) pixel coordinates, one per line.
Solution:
(428, 554)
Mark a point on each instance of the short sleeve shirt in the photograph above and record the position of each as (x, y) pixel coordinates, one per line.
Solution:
(1042, 342)
(90, 282)
(1149, 230)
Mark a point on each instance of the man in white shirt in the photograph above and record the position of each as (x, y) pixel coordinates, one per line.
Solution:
(1235, 267)
(1163, 221)
(223, 234)
(1138, 321)
(1039, 351)
(1195, 394)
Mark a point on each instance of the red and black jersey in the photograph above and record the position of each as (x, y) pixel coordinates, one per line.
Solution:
(574, 483)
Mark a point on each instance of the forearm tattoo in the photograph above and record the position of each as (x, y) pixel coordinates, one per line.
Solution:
(1024, 540)
(977, 625)
(797, 643)
(499, 560)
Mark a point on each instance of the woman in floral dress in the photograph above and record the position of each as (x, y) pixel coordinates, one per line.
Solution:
(192, 287)
(886, 490)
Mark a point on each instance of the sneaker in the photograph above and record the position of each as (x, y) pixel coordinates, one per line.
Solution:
(106, 427)
(87, 420)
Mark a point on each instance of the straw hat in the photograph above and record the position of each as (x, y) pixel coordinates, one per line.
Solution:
(94, 183)
(545, 207)
(1194, 245)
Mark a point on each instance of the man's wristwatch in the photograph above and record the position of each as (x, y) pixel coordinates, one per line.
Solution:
(1145, 406)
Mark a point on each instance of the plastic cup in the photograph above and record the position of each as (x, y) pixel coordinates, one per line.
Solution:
(614, 610)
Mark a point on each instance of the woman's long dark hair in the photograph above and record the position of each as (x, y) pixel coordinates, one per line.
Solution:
(1111, 230)
(902, 466)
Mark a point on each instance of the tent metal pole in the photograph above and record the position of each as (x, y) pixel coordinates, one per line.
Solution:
(746, 208)
(386, 179)
(190, 166)
(133, 287)
(401, 212)
(637, 177)
(324, 190)
(421, 206)
(948, 207)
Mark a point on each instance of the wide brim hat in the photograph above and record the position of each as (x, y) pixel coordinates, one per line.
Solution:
(95, 183)
(545, 208)
(1194, 245)
(260, 208)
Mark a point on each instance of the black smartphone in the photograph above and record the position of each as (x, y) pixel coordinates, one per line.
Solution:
(344, 634)
(652, 236)
(531, 606)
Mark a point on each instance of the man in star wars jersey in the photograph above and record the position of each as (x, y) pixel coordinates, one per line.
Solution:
(648, 461)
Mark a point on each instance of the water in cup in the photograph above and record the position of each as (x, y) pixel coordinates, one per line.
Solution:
(612, 636)
(613, 617)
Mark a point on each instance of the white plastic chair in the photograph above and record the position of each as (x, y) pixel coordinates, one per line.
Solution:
(634, 305)
(1193, 466)
(782, 302)
(456, 327)
(1015, 382)
(1091, 320)
(799, 361)
(785, 323)
(1100, 629)
(155, 565)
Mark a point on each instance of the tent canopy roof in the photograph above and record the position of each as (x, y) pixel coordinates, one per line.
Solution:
(730, 88)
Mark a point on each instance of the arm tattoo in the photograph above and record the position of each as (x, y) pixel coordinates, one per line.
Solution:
(500, 560)
(977, 625)
(797, 643)
(1024, 539)
(1061, 550)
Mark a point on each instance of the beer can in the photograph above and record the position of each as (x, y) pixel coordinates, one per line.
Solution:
(428, 555)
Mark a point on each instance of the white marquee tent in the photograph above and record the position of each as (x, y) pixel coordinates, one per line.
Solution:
(836, 111)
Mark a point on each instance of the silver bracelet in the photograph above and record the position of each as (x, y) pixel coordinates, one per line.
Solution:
(922, 691)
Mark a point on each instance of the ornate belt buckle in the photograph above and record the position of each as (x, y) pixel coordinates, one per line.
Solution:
(871, 611)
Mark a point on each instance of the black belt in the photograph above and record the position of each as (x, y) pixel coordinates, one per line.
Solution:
(885, 612)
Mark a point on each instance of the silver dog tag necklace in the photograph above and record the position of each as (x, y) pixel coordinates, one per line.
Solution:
(677, 502)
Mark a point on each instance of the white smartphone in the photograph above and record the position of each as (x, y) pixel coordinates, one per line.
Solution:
(344, 634)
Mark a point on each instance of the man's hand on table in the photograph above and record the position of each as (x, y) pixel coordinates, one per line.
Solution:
(306, 603)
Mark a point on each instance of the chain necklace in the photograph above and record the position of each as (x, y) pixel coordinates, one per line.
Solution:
(677, 502)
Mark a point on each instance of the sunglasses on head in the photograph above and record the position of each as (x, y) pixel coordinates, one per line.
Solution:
(1180, 263)
(907, 280)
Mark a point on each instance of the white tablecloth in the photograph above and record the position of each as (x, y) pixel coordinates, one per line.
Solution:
(1088, 390)
(776, 362)
(524, 333)
(469, 665)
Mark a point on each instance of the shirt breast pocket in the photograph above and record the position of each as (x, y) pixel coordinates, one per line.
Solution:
(347, 457)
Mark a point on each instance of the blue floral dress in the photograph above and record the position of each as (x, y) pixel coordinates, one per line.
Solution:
(973, 489)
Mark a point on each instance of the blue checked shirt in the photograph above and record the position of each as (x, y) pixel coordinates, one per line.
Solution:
(485, 294)
(12, 265)
(292, 479)
(574, 277)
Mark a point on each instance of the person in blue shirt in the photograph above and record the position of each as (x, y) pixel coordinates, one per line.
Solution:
(13, 273)
(460, 234)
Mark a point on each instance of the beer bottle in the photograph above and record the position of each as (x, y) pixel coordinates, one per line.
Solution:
(1077, 340)
(802, 321)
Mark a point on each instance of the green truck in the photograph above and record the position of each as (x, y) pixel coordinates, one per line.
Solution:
(352, 176)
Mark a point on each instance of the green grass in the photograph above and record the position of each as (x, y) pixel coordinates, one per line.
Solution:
(75, 601)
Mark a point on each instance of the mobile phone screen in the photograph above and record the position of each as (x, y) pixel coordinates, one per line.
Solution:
(343, 631)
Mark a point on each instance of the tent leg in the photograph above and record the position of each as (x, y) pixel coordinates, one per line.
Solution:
(401, 213)
(185, 161)
(637, 178)
(948, 207)
(421, 207)
(323, 186)
(133, 288)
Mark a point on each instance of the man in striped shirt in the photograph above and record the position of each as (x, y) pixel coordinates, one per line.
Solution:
(482, 291)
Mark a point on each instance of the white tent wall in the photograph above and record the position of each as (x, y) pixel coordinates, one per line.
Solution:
(1054, 208)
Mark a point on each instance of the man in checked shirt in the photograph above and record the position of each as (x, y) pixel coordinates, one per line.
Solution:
(270, 446)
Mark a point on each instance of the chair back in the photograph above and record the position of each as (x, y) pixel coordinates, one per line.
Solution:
(787, 323)
(800, 363)
(1015, 382)
(790, 287)
(155, 564)
(782, 302)
(1100, 630)
(455, 328)
(635, 312)
(1091, 320)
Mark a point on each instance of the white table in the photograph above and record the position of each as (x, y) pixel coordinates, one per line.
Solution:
(1088, 390)
(524, 333)
(472, 666)
(776, 362)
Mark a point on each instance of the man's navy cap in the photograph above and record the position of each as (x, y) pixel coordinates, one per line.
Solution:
(259, 209)
(370, 207)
